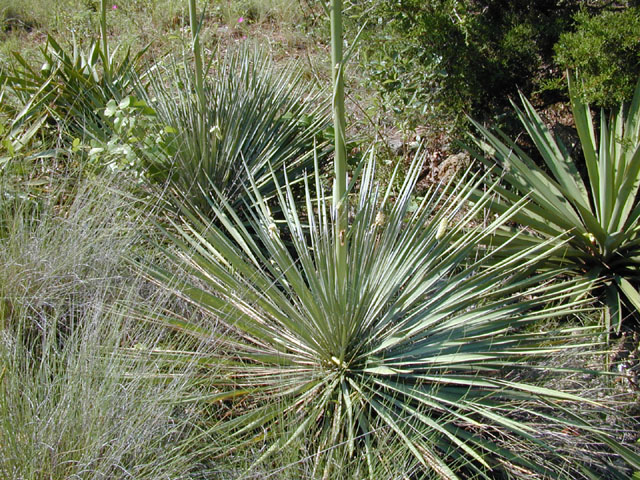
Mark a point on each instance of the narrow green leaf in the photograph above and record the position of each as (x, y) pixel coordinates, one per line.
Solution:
(629, 291)
(555, 155)
(586, 133)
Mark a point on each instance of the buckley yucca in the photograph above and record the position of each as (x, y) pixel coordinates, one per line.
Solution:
(420, 341)
(598, 218)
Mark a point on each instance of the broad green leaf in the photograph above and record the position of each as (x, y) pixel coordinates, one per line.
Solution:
(111, 108)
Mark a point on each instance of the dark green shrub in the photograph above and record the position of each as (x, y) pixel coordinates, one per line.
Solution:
(463, 55)
(605, 50)
(434, 61)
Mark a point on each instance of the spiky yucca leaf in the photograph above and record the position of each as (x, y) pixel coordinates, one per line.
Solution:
(423, 344)
(249, 114)
(599, 218)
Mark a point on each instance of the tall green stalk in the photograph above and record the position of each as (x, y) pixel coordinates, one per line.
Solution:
(199, 79)
(104, 39)
(197, 53)
(340, 165)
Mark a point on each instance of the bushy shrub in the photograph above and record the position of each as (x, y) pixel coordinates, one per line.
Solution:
(443, 58)
(605, 50)
(472, 54)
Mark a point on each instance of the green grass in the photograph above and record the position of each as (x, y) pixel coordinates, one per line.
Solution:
(70, 407)
(141, 18)
(81, 395)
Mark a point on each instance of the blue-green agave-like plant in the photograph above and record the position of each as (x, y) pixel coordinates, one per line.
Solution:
(596, 213)
(422, 343)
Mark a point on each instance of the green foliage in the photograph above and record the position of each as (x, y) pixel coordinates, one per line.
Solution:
(70, 87)
(255, 117)
(452, 56)
(421, 359)
(17, 141)
(599, 218)
(605, 50)
(409, 85)
(29, 170)
(420, 344)
(439, 60)
(136, 135)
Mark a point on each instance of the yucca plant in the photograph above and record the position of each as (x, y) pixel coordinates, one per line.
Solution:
(595, 211)
(71, 87)
(250, 118)
(418, 341)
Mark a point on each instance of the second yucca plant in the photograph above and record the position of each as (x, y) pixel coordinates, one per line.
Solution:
(598, 218)
(250, 119)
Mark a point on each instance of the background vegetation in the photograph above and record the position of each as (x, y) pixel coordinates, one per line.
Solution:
(454, 57)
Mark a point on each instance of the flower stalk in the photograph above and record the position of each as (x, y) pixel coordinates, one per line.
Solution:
(340, 161)
(103, 38)
(197, 53)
